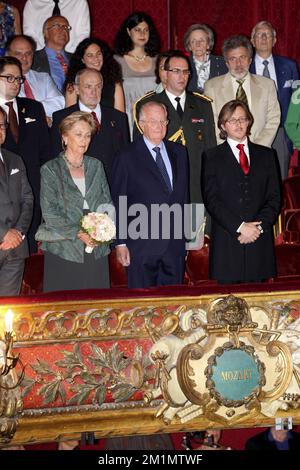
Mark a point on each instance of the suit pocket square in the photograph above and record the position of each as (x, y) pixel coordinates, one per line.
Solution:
(28, 120)
(288, 84)
(14, 171)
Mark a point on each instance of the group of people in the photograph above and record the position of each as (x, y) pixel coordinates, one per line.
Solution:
(65, 110)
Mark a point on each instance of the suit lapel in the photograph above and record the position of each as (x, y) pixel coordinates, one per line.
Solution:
(227, 88)
(173, 161)
(256, 93)
(280, 73)
(232, 161)
(22, 114)
(149, 162)
(174, 120)
(7, 169)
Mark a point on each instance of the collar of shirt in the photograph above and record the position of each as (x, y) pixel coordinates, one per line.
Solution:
(259, 66)
(97, 110)
(1, 158)
(233, 145)
(6, 109)
(246, 86)
(173, 101)
(52, 53)
(164, 154)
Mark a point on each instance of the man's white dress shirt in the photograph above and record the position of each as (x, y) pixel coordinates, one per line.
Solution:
(36, 12)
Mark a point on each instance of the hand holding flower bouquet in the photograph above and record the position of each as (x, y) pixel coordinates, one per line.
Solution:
(99, 226)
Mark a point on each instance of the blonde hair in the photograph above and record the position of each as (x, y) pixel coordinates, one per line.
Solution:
(69, 121)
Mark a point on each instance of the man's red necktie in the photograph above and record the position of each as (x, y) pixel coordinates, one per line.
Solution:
(97, 123)
(243, 159)
(28, 91)
(63, 63)
(13, 121)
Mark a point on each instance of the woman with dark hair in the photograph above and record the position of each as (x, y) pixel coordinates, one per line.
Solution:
(136, 46)
(96, 54)
(199, 42)
(241, 192)
(10, 24)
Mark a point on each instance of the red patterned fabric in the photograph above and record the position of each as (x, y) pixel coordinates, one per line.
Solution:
(225, 18)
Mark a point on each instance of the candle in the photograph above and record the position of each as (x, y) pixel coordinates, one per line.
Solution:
(9, 321)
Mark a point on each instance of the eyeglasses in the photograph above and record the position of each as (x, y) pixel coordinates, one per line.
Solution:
(261, 35)
(26, 54)
(241, 58)
(3, 126)
(241, 120)
(13, 79)
(60, 26)
(154, 123)
(179, 71)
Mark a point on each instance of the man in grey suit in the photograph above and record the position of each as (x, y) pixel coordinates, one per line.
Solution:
(259, 93)
(16, 204)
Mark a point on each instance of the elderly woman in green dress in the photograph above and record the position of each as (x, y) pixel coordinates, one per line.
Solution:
(72, 185)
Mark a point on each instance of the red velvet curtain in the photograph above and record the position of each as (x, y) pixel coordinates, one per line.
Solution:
(173, 17)
(235, 17)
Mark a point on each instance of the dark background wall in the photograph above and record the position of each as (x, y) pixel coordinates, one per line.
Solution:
(226, 17)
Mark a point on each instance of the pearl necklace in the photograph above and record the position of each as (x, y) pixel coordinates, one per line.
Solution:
(72, 164)
(137, 58)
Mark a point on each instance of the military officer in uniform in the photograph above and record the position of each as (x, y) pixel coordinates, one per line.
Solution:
(190, 116)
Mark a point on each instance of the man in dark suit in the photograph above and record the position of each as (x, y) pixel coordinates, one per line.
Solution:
(152, 174)
(191, 120)
(27, 133)
(53, 59)
(284, 72)
(241, 191)
(16, 202)
(112, 135)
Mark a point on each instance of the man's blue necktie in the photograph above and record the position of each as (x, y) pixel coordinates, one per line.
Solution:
(162, 168)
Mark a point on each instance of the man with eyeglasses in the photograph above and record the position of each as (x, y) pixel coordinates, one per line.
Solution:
(76, 11)
(151, 172)
(38, 85)
(259, 93)
(16, 202)
(53, 59)
(190, 117)
(283, 71)
(27, 133)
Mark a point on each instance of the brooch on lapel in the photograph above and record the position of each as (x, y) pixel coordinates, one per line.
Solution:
(28, 119)
(113, 123)
(199, 135)
(196, 120)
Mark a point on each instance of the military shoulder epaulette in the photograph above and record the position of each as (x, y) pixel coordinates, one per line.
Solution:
(149, 93)
(203, 97)
(146, 95)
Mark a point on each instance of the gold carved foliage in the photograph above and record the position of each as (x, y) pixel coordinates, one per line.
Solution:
(94, 322)
(77, 378)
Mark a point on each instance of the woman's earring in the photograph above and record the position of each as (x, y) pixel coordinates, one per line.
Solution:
(64, 145)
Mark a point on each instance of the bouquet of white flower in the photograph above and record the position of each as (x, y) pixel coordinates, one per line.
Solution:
(100, 227)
